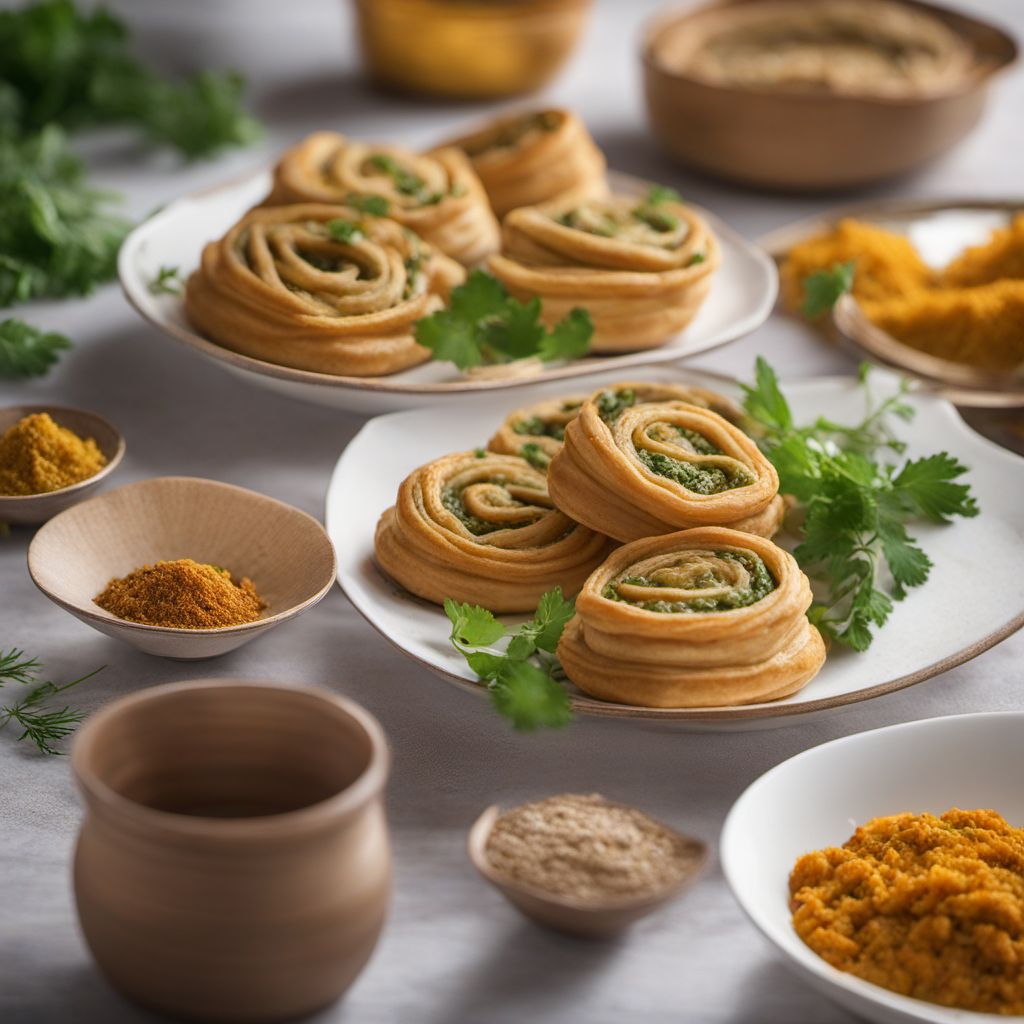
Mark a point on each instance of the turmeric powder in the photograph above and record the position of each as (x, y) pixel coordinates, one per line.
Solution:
(38, 455)
(182, 594)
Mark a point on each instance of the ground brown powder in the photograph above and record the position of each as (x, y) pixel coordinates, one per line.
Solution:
(589, 849)
(182, 594)
(37, 456)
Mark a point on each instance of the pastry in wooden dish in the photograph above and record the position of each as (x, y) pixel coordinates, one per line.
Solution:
(480, 527)
(635, 463)
(437, 195)
(535, 156)
(640, 269)
(708, 617)
(320, 288)
(540, 428)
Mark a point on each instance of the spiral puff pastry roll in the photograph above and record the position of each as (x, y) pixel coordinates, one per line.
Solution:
(537, 431)
(708, 617)
(631, 468)
(535, 157)
(437, 195)
(641, 272)
(482, 528)
(283, 286)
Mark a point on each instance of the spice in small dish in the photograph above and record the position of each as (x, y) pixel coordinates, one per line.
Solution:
(587, 849)
(929, 907)
(38, 456)
(182, 594)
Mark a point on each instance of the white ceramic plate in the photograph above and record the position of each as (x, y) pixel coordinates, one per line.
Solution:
(817, 799)
(960, 612)
(742, 295)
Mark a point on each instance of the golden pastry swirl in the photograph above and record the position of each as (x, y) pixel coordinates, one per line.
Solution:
(708, 617)
(535, 157)
(633, 465)
(640, 271)
(437, 195)
(319, 288)
(481, 527)
(537, 431)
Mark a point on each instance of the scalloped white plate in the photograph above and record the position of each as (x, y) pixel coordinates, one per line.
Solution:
(741, 298)
(974, 599)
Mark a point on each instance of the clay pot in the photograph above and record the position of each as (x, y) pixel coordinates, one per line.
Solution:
(233, 862)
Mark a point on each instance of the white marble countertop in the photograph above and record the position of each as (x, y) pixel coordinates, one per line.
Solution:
(453, 951)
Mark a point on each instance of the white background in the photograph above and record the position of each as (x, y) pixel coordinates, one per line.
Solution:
(453, 952)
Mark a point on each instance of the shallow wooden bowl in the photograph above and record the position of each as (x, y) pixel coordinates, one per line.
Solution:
(468, 49)
(587, 920)
(37, 508)
(284, 551)
(808, 141)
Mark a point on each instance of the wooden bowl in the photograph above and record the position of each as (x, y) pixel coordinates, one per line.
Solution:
(812, 141)
(285, 552)
(469, 49)
(589, 920)
(37, 508)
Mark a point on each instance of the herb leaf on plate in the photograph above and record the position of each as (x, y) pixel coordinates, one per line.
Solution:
(484, 325)
(27, 351)
(823, 288)
(521, 679)
(857, 503)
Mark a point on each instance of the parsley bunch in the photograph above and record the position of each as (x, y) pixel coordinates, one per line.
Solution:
(39, 721)
(484, 325)
(857, 504)
(26, 351)
(62, 66)
(521, 679)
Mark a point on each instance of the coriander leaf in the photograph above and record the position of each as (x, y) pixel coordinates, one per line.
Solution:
(484, 664)
(553, 612)
(823, 288)
(569, 338)
(376, 206)
(522, 645)
(472, 626)
(166, 282)
(450, 338)
(516, 331)
(530, 697)
(26, 351)
(482, 296)
(765, 402)
(908, 564)
(927, 485)
(343, 230)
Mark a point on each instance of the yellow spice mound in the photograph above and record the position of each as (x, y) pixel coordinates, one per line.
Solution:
(1002, 256)
(182, 594)
(37, 456)
(887, 264)
(928, 907)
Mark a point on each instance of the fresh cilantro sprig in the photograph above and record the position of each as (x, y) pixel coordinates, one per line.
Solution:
(27, 351)
(521, 678)
(823, 288)
(857, 503)
(40, 722)
(63, 66)
(484, 325)
(166, 282)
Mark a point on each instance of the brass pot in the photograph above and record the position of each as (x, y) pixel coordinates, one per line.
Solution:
(465, 49)
(233, 862)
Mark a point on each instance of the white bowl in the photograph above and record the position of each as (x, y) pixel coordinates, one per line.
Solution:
(817, 798)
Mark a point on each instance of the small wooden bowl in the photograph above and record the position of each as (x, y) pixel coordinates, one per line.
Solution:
(587, 920)
(285, 552)
(37, 508)
(812, 141)
(469, 49)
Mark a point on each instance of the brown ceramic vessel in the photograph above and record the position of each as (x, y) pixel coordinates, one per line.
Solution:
(233, 862)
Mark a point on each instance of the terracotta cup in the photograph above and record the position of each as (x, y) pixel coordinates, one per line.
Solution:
(233, 862)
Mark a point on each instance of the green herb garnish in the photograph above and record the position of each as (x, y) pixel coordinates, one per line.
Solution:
(167, 282)
(62, 66)
(535, 456)
(483, 325)
(40, 722)
(823, 288)
(376, 206)
(521, 678)
(343, 230)
(27, 351)
(857, 504)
